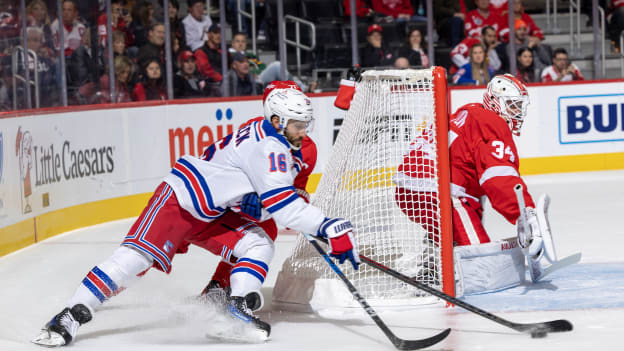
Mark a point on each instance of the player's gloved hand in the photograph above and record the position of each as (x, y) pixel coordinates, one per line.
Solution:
(342, 243)
(251, 206)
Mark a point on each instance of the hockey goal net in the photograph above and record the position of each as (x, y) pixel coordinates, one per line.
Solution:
(390, 109)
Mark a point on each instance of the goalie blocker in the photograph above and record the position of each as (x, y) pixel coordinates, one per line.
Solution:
(500, 265)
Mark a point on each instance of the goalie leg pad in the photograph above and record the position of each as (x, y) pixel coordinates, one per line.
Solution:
(542, 218)
(489, 267)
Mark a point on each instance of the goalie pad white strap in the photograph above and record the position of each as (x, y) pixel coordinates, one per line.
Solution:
(489, 267)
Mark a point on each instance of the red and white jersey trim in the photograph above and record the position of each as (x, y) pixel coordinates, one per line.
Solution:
(497, 171)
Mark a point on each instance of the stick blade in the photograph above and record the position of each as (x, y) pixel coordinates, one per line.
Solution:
(559, 325)
(422, 343)
(556, 326)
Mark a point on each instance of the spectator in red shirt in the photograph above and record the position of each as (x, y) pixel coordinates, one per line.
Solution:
(400, 10)
(483, 15)
(152, 85)
(209, 55)
(120, 21)
(460, 57)
(362, 9)
(561, 70)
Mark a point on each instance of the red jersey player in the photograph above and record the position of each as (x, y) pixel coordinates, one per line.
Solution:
(230, 224)
(483, 162)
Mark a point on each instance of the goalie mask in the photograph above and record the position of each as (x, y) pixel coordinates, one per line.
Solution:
(288, 104)
(508, 97)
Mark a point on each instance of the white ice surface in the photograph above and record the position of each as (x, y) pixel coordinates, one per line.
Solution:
(158, 313)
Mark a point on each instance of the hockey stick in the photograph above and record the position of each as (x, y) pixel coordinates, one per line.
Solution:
(399, 343)
(535, 329)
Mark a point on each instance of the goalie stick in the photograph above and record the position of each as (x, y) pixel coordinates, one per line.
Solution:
(399, 343)
(535, 329)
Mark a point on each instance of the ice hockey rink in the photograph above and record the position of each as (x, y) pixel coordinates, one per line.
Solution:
(160, 313)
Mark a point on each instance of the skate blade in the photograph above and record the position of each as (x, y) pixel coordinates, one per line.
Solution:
(236, 332)
(252, 337)
(48, 339)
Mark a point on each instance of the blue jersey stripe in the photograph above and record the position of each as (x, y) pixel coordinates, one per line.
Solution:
(271, 131)
(278, 206)
(202, 183)
(276, 191)
(191, 192)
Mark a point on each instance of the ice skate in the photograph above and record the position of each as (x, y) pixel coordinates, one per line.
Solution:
(214, 294)
(427, 272)
(62, 329)
(240, 324)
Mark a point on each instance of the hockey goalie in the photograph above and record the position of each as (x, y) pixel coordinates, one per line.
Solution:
(483, 164)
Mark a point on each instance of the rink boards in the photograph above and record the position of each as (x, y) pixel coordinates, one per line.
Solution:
(67, 168)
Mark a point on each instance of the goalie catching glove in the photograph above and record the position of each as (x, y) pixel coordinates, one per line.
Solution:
(342, 243)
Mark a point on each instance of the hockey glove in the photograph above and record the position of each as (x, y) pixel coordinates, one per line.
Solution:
(251, 206)
(342, 243)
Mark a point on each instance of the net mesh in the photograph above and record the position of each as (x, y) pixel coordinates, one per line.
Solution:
(390, 110)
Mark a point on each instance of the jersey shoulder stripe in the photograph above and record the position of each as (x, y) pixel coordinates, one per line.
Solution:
(274, 200)
(298, 158)
(197, 189)
(264, 129)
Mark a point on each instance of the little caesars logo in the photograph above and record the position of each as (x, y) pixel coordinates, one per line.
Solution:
(52, 164)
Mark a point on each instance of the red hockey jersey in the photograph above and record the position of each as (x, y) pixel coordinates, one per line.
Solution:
(484, 161)
(474, 22)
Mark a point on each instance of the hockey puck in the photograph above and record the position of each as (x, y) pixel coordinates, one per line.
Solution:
(538, 334)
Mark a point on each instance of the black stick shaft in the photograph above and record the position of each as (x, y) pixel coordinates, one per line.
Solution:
(396, 341)
(560, 325)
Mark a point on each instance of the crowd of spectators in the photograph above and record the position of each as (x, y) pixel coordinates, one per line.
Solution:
(478, 32)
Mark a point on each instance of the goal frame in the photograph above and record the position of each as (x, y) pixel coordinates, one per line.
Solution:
(442, 108)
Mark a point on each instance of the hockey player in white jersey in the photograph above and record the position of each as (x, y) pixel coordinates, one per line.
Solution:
(254, 159)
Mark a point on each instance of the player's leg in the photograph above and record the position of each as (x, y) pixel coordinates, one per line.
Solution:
(245, 244)
(222, 236)
(467, 226)
(139, 251)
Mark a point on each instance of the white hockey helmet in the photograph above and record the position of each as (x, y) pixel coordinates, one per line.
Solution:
(509, 98)
(288, 104)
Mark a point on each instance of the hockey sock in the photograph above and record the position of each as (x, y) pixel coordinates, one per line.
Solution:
(222, 274)
(255, 250)
(108, 278)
